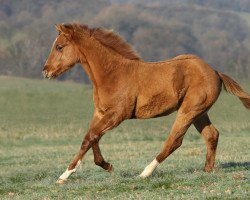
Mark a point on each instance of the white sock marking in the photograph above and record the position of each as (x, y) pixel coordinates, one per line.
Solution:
(67, 173)
(149, 169)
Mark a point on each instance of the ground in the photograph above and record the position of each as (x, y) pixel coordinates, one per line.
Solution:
(43, 122)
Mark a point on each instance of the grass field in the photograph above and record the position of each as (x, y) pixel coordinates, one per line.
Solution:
(43, 122)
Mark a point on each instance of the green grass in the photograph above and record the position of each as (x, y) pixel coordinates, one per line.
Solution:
(43, 122)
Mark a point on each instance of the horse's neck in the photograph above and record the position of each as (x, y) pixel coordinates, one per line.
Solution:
(101, 64)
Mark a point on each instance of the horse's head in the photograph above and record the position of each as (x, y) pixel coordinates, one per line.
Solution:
(64, 53)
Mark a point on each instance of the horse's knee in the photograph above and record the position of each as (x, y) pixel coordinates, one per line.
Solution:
(92, 138)
(177, 143)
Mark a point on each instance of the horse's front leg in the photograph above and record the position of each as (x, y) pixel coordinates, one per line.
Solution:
(98, 158)
(96, 131)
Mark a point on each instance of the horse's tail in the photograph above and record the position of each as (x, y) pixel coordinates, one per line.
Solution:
(231, 86)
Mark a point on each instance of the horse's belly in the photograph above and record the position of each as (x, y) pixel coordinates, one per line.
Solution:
(154, 107)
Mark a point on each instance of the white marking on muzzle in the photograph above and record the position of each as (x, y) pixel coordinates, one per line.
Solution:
(44, 74)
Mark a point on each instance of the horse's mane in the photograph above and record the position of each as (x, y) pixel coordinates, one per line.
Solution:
(108, 39)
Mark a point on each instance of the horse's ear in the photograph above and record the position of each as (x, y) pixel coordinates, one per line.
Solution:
(65, 29)
(57, 26)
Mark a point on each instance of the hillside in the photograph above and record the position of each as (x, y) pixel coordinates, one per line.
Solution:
(216, 30)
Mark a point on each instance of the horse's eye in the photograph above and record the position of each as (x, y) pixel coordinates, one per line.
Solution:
(59, 48)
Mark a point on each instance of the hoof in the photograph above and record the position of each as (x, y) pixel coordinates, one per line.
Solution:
(208, 169)
(110, 169)
(60, 181)
(143, 176)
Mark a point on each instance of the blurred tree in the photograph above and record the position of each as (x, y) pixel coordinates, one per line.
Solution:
(216, 30)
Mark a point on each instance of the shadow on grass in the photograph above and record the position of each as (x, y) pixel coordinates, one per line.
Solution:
(245, 165)
(129, 174)
(192, 170)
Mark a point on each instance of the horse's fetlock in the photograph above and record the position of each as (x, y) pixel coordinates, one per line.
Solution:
(99, 162)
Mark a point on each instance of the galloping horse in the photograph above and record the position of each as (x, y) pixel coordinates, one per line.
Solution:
(126, 87)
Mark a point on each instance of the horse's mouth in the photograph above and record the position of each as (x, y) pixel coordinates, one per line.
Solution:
(55, 73)
(49, 75)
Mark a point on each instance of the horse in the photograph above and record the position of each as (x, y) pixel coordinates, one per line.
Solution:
(126, 87)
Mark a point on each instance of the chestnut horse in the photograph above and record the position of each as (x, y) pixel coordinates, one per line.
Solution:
(126, 87)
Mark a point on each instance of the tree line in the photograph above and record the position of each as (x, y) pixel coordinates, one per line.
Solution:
(215, 30)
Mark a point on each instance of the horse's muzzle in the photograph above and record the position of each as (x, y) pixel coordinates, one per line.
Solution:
(48, 75)
(45, 74)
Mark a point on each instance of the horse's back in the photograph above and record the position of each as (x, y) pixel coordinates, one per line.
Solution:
(195, 71)
(164, 85)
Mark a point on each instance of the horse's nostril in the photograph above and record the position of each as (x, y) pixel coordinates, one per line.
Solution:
(46, 67)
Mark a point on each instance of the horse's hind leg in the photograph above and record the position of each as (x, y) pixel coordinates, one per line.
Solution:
(194, 105)
(211, 136)
(181, 124)
(98, 158)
